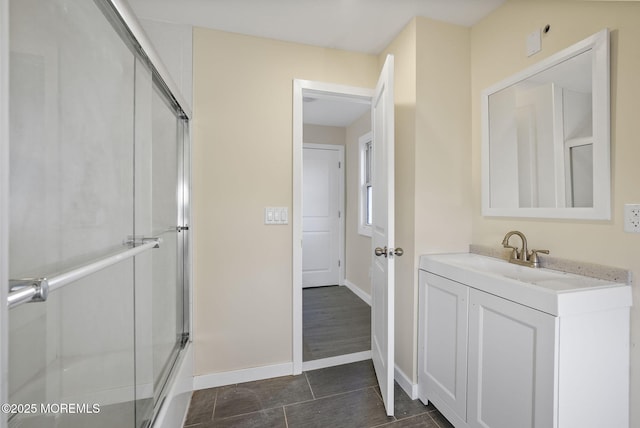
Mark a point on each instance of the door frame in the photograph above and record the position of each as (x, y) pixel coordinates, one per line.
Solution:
(341, 202)
(300, 89)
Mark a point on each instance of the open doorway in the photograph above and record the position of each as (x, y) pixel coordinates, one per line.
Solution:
(335, 266)
(336, 323)
(382, 266)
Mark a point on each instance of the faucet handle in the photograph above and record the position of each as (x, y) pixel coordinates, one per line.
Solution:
(515, 252)
(533, 257)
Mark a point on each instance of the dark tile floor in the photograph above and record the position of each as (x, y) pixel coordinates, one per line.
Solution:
(344, 396)
(335, 322)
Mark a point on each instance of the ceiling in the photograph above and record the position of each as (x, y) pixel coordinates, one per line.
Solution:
(332, 111)
(366, 26)
(353, 25)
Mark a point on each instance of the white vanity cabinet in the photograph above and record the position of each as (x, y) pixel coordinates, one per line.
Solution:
(443, 341)
(504, 346)
(511, 363)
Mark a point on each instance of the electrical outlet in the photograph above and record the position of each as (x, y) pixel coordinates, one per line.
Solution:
(632, 218)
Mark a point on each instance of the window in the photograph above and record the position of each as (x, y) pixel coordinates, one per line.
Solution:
(365, 218)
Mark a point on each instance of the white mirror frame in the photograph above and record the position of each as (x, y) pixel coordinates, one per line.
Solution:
(601, 210)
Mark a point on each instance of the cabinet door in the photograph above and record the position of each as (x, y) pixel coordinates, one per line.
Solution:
(443, 331)
(511, 364)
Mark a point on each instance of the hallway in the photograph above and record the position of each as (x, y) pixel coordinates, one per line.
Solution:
(335, 322)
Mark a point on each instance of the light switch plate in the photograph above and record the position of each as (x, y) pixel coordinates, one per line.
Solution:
(276, 215)
(534, 43)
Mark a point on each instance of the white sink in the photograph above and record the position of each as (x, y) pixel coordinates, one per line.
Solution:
(500, 267)
(543, 289)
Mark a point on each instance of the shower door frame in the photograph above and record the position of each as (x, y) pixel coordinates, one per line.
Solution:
(135, 32)
(4, 205)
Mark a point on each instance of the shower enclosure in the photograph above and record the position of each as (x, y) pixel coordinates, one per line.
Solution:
(98, 213)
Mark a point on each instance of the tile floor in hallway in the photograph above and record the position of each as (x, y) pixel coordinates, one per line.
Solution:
(335, 322)
(344, 396)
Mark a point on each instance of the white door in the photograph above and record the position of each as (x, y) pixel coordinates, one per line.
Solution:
(382, 278)
(320, 216)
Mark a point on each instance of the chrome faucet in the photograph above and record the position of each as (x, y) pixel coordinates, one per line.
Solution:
(522, 256)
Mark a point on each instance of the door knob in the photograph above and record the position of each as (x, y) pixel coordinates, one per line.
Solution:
(380, 251)
(398, 251)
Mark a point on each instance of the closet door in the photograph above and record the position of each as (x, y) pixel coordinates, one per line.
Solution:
(320, 217)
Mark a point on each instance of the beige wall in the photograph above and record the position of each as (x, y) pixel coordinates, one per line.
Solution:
(358, 251)
(319, 134)
(242, 162)
(433, 191)
(443, 198)
(403, 47)
(497, 52)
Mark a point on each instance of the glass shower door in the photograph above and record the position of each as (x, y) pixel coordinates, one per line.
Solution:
(97, 170)
(71, 199)
(159, 274)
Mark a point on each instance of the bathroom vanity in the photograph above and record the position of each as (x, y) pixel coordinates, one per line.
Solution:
(502, 345)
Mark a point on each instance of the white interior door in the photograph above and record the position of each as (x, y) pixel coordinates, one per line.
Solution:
(382, 278)
(320, 216)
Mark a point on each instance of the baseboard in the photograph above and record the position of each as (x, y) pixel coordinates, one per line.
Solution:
(238, 376)
(266, 372)
(405, 383)
(358, 291)
(336, 361)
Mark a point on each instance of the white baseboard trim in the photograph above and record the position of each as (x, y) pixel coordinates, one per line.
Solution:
(336, 361)
(405, 383)
(358, 291)
(238, 376)
(266, 372)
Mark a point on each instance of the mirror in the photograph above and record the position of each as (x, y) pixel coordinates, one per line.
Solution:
(546, 131)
